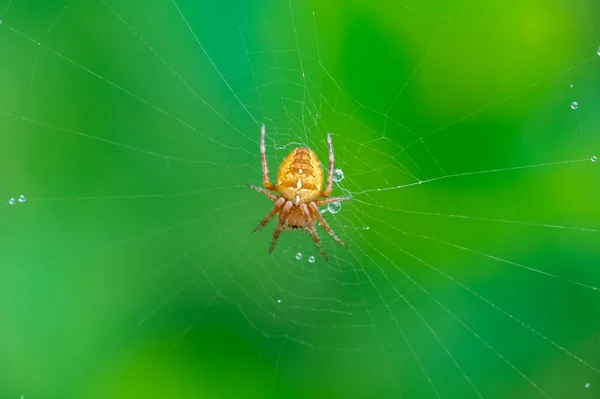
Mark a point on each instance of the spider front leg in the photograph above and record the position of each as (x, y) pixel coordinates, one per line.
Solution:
(313, 231)
(263, 158)
(315, 211)
(276, 208)
(282, 220)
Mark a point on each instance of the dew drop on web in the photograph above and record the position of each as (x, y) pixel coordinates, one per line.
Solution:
(299, 256)
(574, 105)
(22, 198)
(338, 175)
(594, 158)
(12, 201)
(311, 259)
(334, 207)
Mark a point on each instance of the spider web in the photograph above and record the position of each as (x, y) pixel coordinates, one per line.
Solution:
(465, 133)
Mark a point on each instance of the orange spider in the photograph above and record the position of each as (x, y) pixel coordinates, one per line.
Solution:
(299, 181)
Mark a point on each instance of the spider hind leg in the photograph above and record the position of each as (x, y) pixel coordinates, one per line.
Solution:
(261, 190)
(331, 200)
(263, 160)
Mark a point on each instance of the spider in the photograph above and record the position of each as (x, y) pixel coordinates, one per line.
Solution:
(299, 181)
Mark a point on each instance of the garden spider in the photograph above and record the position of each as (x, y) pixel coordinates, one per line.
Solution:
(299, 181)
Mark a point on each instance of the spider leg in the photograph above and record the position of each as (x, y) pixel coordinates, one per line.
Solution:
(263, 159)
(276, 208)
(311, 227)
(330, 200)
(315, 210)
(329, 188)
(263, 191)
(281, 225)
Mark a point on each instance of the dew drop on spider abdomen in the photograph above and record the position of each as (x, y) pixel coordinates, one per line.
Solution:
(311, 259)
(334, 207)
(299, 256)
(338, 175)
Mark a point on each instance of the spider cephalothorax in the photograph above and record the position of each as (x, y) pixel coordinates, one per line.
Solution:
(299, 182)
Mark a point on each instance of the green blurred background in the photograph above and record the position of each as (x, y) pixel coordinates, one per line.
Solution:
(131, 128)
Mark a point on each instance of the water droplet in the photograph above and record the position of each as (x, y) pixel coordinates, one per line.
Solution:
(298, 256)
(22, 198)
(12, 201)
(420, 182)
(0, 22)
(574, 105)
(594, 158)
(311, 259)
(598, 51)
(338, 175)
(279, 301)
(571, 85)
(587, 384)
(334, 207)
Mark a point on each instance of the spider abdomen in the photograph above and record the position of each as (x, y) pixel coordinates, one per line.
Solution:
(300, 176)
